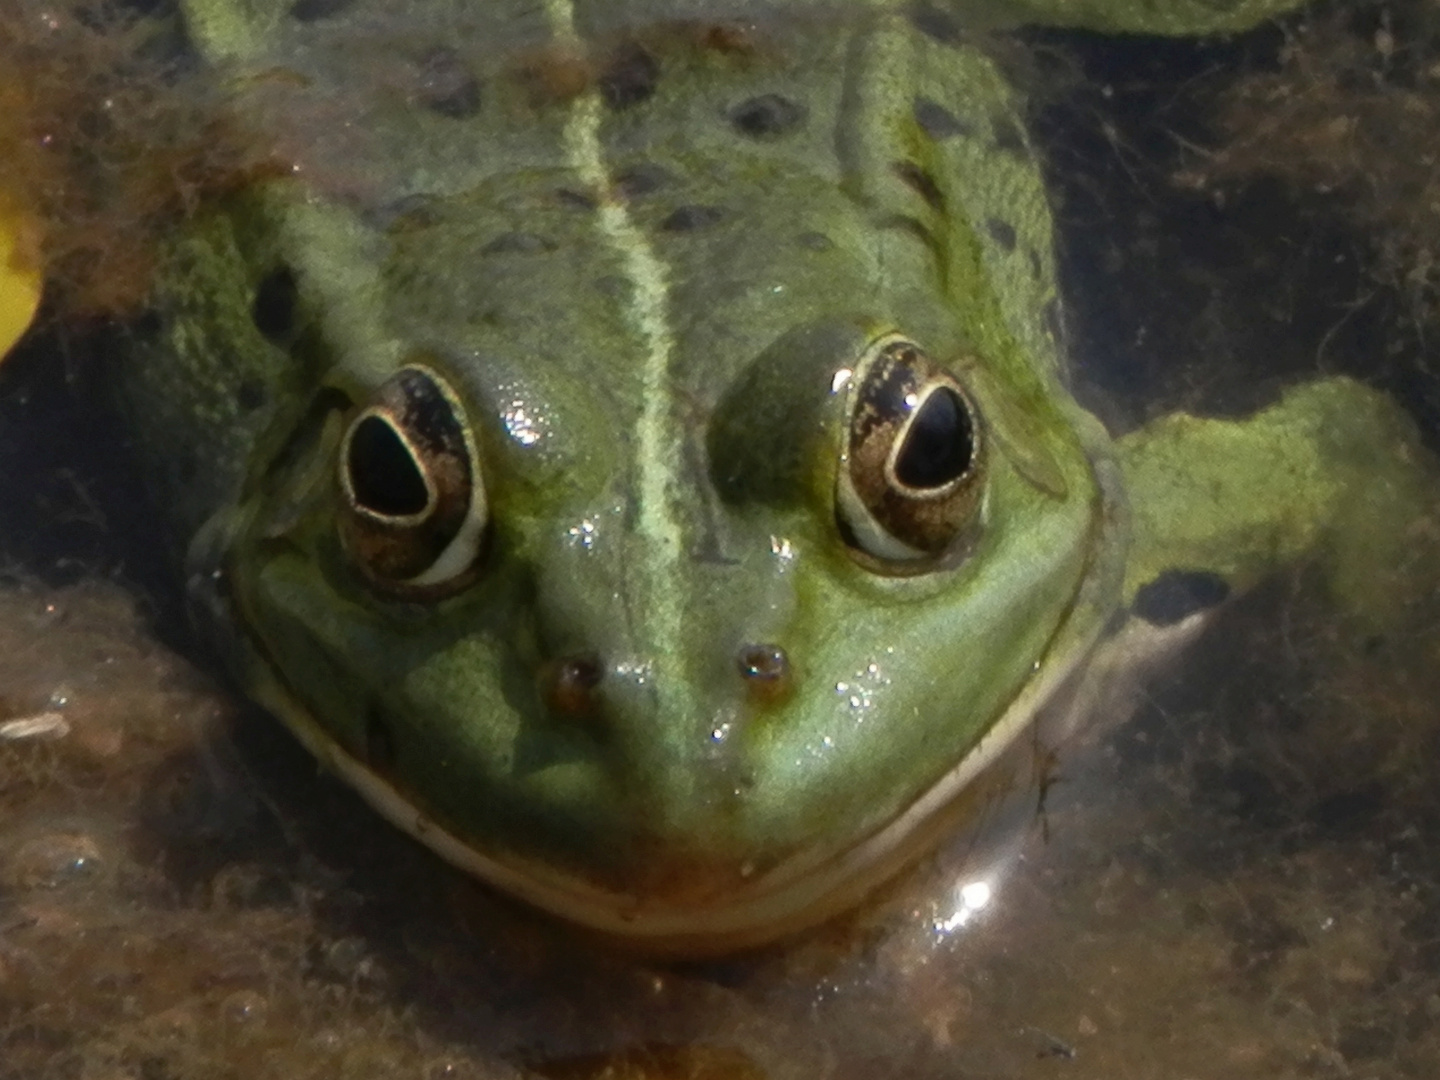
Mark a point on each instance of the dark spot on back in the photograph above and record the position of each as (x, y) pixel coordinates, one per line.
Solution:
(613, 287)
(767, 116)
(520, 243)
(447, 86)
(916, 228)
(250, 395)
(411, 212)
(815, 241)
(934, 23)
(575, 200)
(1002, 232)
(643, 179)
(1037, 265)
(310, 10)
(1008, 136)
(920, 181)
(273, 309)
(1178, 594)
(939, 122)
(629, 78)
(688, 218)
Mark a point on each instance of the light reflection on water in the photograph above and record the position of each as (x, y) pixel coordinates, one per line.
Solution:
(970, 898)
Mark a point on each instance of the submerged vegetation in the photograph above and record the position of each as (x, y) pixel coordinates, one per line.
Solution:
(1353, 111)
(1348, 121)
(108, 138)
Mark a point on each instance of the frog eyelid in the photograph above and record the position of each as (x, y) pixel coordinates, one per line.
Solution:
(463, 550)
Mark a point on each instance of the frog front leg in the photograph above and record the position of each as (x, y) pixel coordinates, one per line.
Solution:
(1334, 474)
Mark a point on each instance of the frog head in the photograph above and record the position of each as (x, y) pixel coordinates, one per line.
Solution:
(671, 578)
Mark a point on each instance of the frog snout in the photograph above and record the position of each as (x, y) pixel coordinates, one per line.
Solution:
(668, 738)
(571, 685)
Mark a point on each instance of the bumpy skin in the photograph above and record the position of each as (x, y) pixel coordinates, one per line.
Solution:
(644, 305)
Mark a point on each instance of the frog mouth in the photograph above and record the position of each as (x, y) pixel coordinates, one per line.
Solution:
(809, 886)
(806, 890)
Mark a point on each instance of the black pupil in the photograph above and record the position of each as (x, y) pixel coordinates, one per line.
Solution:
(939, 443)
(383, 473)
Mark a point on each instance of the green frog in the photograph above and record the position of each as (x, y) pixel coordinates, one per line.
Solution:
(631, 443)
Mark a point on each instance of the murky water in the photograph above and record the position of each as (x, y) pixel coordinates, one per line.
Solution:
(1230, 873)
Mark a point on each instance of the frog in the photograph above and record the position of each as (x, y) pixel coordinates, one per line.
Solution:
(642, 460)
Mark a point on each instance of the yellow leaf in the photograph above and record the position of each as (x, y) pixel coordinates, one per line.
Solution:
(20, 278)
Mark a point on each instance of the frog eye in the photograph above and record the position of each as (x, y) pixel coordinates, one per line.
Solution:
(909, 482)
(414, 511)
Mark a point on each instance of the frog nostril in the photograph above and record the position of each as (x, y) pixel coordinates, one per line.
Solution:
(766, 671)
(568, 684)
